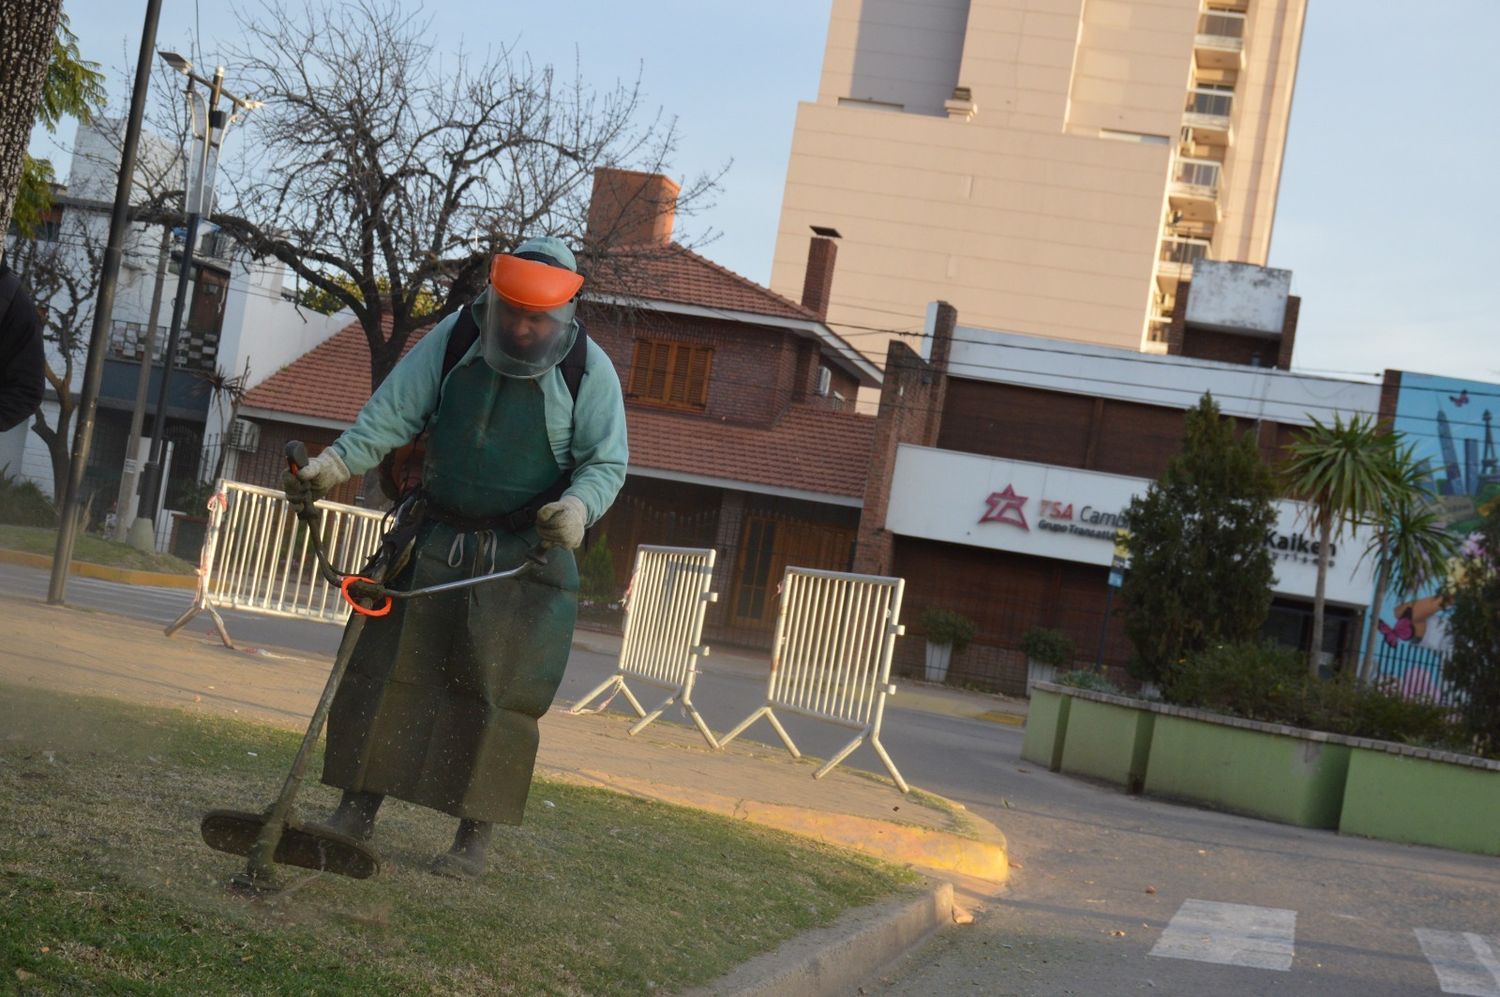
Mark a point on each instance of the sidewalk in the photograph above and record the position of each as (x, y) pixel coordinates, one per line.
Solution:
(99, 654)
(922, 697)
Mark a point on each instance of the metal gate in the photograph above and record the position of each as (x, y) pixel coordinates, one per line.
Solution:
(666, 600)
(831, 659)
(257, 557)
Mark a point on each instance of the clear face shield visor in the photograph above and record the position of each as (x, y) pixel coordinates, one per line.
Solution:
(528, 325)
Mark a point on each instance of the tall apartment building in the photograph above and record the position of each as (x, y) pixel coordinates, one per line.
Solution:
(1050, 167)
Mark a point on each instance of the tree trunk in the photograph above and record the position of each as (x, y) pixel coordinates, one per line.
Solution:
(56, 439)
(1367, 661)
(26, 33)
(1325, 535)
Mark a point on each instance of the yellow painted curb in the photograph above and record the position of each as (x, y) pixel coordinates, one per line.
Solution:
(86, 569)
(999, 717)
(927, 847)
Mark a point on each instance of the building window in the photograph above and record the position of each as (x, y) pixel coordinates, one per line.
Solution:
(671, 374)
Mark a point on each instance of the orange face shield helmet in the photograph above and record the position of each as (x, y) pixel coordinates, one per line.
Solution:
(528, 314)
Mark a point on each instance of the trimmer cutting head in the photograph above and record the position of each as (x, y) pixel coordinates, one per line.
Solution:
(309, 846)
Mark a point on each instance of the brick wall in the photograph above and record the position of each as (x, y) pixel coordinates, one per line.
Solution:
(266, 465)
(1289, 332)
(817, 282)
(1390, 394)
(1006, 594)
(1096, 434)
(911, 404)
(1228, 347)
(1207, 344)
(754, 372)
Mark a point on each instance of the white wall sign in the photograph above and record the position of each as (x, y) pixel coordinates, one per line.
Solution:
(1072, 515)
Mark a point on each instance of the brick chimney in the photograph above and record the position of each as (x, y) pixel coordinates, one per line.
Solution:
(629, 208)
(817, 285)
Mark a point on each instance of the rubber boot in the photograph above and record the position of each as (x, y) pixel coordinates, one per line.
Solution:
(466, 859)
(355, 815)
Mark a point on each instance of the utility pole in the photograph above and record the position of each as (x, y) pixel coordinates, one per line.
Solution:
(132, 470)
(211, 132)
(104, 306)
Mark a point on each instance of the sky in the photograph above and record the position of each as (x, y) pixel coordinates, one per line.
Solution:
(1389, 208)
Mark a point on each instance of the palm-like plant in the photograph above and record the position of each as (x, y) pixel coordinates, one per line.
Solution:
(1346, 474)
(1411, 545)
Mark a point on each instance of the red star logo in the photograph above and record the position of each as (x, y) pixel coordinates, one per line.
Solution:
(1006, 507)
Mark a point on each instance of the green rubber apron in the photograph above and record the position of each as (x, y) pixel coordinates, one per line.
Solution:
(442, 697)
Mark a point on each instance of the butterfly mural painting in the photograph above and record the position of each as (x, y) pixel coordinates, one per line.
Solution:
(1461, 399)
(1394, 634)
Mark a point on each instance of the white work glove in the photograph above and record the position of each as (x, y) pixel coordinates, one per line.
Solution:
(561, 523)
(321, 475)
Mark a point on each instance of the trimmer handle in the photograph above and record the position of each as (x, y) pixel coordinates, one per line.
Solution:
(296, 460)
(296, 455)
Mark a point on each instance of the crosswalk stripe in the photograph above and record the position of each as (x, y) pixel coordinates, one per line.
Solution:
(1230, 934)
(1465, 963)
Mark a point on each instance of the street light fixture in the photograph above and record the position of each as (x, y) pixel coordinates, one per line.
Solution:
(210, 130)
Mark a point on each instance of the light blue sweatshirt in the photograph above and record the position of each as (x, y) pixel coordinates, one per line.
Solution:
(588, 436)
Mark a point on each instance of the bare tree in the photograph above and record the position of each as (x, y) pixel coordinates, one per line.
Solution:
(26, 38)
(63, 276)
(385, 174)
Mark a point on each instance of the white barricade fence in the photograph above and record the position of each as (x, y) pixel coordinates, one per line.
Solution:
(831, 657)
(258, 557)
(665, 604)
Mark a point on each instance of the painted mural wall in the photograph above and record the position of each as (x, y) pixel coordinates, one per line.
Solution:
(1451, 425)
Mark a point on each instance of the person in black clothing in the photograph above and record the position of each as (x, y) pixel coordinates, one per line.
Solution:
(22, 361)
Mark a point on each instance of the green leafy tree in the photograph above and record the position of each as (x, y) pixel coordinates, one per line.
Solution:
(1347, 475)
(1411, 545)
(1473, 591)
(1200, 572)
(325, 303)
(72, 87)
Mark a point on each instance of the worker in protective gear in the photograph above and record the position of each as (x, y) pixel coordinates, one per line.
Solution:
(441, 700)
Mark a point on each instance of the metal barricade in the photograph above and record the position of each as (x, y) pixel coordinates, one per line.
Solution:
(257, 557)
(667, 598)
(831, 657)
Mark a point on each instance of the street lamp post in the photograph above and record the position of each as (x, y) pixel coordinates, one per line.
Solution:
(210, 129)
(71, 498)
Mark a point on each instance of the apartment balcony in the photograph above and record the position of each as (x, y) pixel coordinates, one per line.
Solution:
(1220, 41)
(1156, 333)
(1194, 190)
(1174, 262)
(1207, 114)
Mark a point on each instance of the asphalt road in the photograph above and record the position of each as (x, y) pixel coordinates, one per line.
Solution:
(1113, 894)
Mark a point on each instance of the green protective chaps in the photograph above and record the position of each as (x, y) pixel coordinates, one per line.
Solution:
(440, 704)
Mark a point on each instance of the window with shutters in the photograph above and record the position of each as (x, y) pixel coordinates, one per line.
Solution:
(670, 374)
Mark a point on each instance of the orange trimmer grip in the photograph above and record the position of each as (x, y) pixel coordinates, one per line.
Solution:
(354, 605)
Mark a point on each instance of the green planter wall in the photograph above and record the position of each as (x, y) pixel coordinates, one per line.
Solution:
(1309, 778)
(1107, 738)
(1046, 722)
(1423, 797)
(1264, 770)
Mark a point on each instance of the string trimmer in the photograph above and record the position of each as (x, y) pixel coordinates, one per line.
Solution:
(274, 836)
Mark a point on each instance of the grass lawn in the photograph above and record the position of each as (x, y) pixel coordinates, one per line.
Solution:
(106, 886)
(95, 550)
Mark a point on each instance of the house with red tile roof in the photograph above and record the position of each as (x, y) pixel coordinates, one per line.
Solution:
(740, 405)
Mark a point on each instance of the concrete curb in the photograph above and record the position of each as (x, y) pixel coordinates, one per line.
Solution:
(983, 858)
(86, 569)
(838, 958)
